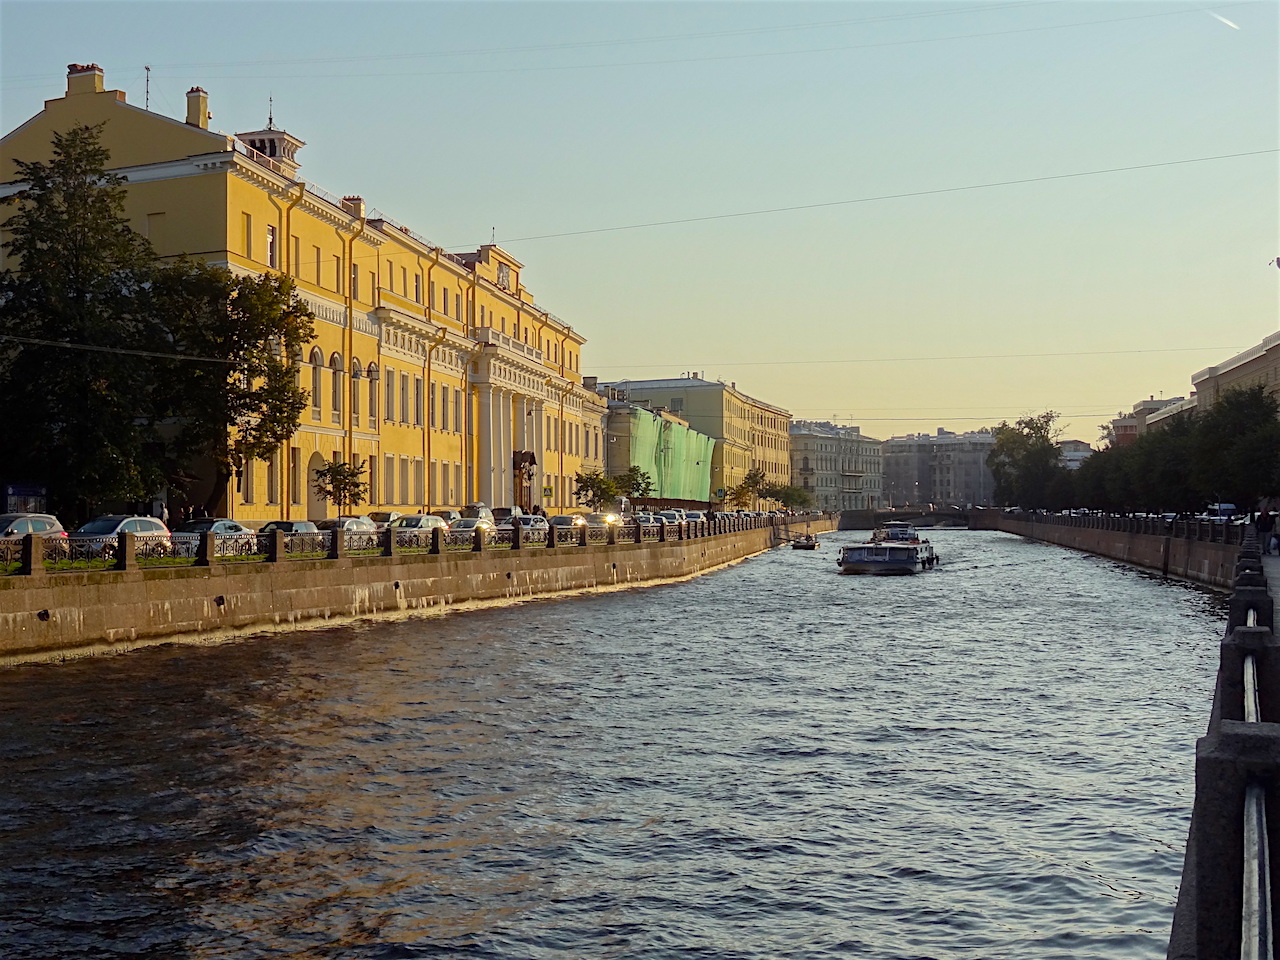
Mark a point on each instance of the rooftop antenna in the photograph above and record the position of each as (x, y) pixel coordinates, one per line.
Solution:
(271, 116)
(147, 98)
(493, 235)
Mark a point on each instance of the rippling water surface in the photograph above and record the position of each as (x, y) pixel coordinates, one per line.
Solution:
(990, 760)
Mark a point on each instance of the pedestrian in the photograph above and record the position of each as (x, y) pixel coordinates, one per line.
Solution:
(1265, 524)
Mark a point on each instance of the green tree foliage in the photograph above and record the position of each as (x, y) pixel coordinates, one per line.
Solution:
(790, 497)
(1236, 450)
(634, 483)
(91, 323)
(1025, 461)
(595, 489)
(342, 484)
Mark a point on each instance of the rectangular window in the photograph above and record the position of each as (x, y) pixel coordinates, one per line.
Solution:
(373, 286)
(404, 281)
(431, 291)
(389, 479)
(373, 480)
(355, 401)
(457, 411)
(404, 480)
(319, 261)
(433, 479)
(337, 274)
(273, 477)
(355, 281)
(444, 407)
(433, 405)
(391, 276)
(457, 305)
(417, 288)
(246, 479)
(417, 402)
(373, 402)
(482, 314)
(444, 301)
(404, 398)
(246, 241)
(273, 248)
(456, 494)
(390, 412)
(419, 483)
(295, 254)
(295, 475)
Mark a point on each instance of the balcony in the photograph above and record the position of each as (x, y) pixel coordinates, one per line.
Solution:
(492, 337)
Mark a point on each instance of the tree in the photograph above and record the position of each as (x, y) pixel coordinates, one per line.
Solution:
(248, 402)
(634, 483)
(595, 488)
(342, 484)
(790, 497)
(83, 419)
(740, 496)
(1235, 452)
(1025, 460)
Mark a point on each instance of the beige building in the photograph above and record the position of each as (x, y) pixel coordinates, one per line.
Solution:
(838, 466)
(748, 433)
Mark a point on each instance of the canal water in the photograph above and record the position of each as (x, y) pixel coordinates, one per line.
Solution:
(993, 759)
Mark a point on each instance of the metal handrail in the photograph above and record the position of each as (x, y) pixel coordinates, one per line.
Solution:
(1256, 937)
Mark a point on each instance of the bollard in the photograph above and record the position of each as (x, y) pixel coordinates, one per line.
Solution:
(477, 540)
(638, 536)
(337, 544)
(437, 540)
(582, 535)
(126, 552)
(517, 535)
(206, 549)
(611, 535)
(276, 549)
(551, 537)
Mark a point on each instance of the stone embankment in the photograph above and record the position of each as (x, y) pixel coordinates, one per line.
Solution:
(48, 615)
(1202, 552)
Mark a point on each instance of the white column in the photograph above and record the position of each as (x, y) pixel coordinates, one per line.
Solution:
(484, 462)
(503, 455)
(522, 422)
(539, 451)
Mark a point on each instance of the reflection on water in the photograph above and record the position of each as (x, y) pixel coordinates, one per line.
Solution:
(993, 759)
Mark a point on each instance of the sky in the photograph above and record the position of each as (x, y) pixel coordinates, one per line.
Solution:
(898, 215)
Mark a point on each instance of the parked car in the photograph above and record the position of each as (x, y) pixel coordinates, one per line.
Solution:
(233, 539)
(348, 524)
(671, 516)
(695, 515)
(419, 521)
(467, 524)
(448, 516)
(506, 513)
(289, 526)
(568, 520)
(100, 537)
(20, 524)
(525, 520)
(648, 520)
(603, 519)
(476, 511)
(384, 518)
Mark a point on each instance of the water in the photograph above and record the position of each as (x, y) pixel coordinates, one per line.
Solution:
(990, 760)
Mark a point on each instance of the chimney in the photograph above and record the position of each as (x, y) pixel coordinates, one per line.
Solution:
(84, 78)
(198, 108)
(354, 206)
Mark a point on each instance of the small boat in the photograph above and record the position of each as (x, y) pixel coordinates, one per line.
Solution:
(894, 548)
(807, 542)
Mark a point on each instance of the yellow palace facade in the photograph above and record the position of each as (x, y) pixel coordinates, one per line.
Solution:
(435, 370)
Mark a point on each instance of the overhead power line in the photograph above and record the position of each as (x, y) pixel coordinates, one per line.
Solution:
(94, 348)
(876, 199)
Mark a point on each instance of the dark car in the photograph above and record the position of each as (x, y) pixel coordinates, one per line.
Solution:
(233, 538)
(501, 514)
(448, 516)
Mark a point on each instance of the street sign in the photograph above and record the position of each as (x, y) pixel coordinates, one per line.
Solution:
(720, 494)
(547, 493)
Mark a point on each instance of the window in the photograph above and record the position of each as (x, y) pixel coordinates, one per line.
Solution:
(390, 412)
(356, 371)
(373, 480)
(295, 475)
(417, 403)
(273, 251)
(317, 383)
(404, 281)
(319, 260)
(373, 396)
(355, 280)
(419, 482)
(457, 411)
(295, 255)
(431, 291)
(391, 276)
(457, 494)
(246, 241)
(404, 479)
(433, 405)
(444, 301)
(457, 306)
(335, 368)
(389, 479)
(444, 407)
(417, 288)
(337, 274)
(482, 314)
(433, 481)
(273, 477)
(404, 398)
(246, 479)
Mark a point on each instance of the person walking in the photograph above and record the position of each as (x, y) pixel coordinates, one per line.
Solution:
(1265, 525)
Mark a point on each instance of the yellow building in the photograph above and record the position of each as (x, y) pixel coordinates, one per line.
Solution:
(436, 370)
(749, 433)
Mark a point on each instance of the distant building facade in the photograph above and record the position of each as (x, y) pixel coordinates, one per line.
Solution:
(838, 466)
(940, 469)
(1127, 428)
(1072, 453)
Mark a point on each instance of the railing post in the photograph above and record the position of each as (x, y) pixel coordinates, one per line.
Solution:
(552, 533)
(662, 533)
(582, 535)
(207, 549)
(437, 540)
(32, 563)
(611, 535)
(517, 536)
(126, 552)
(638, 535)
(389, 542)
(477, 540)
(337, 544)
(276, 549)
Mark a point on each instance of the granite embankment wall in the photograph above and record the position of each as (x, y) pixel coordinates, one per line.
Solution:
(1190, 551)
(73, 613)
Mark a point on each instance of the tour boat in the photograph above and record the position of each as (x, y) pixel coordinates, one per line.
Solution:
(807, 542)
(894, 548)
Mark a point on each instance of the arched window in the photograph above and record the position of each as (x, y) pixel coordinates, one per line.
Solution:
(317, 364)
(373, 395)
(357, 371)
(336, 368)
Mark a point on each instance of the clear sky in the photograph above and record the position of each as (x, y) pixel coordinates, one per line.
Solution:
(959, 308)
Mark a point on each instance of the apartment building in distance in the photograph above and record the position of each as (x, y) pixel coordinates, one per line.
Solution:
(748, 433)
(435, 370)
(942, 469)
(838, 466)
